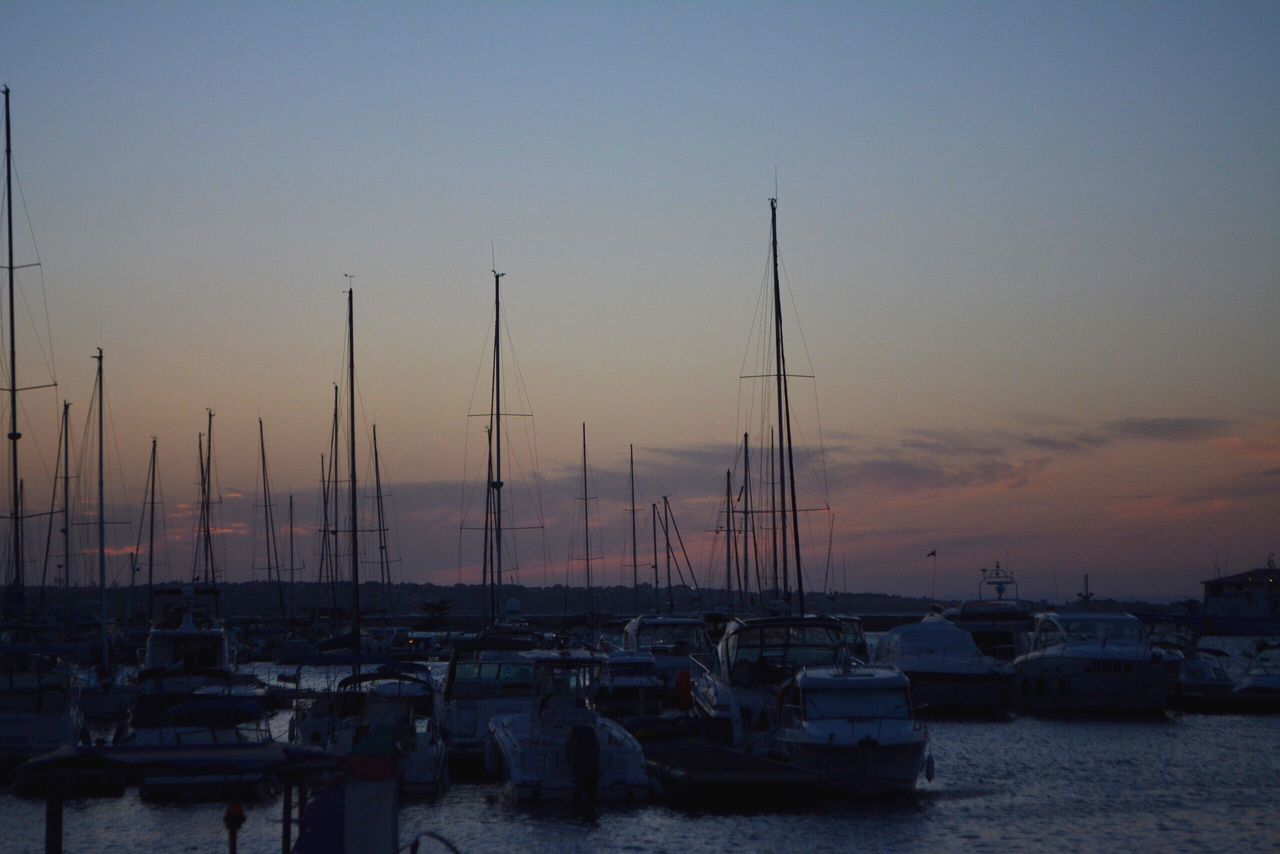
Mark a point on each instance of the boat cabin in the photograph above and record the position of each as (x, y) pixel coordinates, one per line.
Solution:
(766, 651)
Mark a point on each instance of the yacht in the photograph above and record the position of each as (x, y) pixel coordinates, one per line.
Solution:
(1089, 663)
(388, 703)
(561, 747)
(672, 642)
(853, 725)
(186, 653)
(736, 689)
(487, 677)
(949, 674)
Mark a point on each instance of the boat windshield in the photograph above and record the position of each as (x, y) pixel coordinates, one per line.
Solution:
(683, 639)
(565, 681)
(477, 679)
(768, 654)
(853, 705)
(1091, 629)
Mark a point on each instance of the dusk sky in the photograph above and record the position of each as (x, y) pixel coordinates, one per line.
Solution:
(1031, 252)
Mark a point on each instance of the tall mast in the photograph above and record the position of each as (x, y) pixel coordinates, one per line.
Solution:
(333, 505)
(635, 563)
(666, 533)
(495, 443)
(787, 441)
(66, 514)
(586, 521)
(293, 593)
(210, 572)
(773, 516)
(151, 533)
(351, 447)
(747, 522)
(102, 526)
(657, 588)
(728, 538)
(780, 370)
(14, 435)
(269, 520)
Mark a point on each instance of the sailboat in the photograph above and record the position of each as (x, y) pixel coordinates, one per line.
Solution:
(387, 706)
(38, 710)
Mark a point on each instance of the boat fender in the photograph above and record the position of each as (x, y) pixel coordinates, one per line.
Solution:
(928, 768)
(684, 691)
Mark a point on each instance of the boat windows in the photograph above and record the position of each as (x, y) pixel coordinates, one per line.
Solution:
(479, 678)
(677, 638)
(1093, 629)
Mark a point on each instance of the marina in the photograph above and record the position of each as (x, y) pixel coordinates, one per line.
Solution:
(889, 326)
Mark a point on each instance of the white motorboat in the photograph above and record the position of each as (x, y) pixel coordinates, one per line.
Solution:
(1261, 682)
(399, 706)
(737, 687)
(1091, 663)
(853, 726)
(671, 640)
(561, 747)
(487, 677)
(949, 674)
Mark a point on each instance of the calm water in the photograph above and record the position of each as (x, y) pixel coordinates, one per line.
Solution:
(1190, 783)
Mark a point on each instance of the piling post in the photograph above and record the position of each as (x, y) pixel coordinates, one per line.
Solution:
(53, 823)
(233, 819)
(286, 826)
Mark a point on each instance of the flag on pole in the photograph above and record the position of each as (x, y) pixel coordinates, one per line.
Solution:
(933, 553)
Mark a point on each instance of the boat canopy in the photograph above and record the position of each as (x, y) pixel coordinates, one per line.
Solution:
(927, 639)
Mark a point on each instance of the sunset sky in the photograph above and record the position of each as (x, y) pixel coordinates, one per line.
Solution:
(1032, 253)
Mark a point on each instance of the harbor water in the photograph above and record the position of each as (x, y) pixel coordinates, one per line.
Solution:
(1187, 783)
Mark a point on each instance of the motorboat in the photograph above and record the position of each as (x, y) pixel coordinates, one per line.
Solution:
(1002, 628)
(1091, 663)
(561, 747)
(185, 653)
(487, 677)
(854, 726)
(1260, 685)
(949, 674)
(397, 705)
(672, 642)
(736, 689)
(212, 721)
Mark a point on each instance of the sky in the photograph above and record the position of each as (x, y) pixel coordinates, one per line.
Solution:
(1028, 250)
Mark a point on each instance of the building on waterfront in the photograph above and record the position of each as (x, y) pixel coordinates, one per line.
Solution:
(1247, 603)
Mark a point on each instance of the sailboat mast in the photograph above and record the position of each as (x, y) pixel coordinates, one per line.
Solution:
(586, 520)
(293, 593)
(151, 534)
(102, 526)
(210, 573)
(495, 435)
(728, 538)
(657, 588)
(780, 369)
(789, 476)
(66, 514)
(14, 435)
(747, 521)
(666, 533)
(351, 447)
(635, 563)
(269, 520)
(773, 517)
